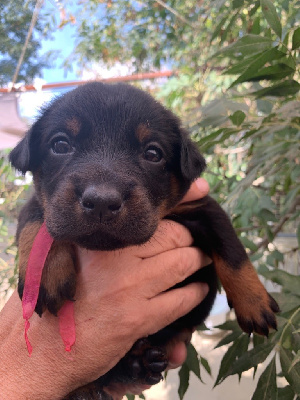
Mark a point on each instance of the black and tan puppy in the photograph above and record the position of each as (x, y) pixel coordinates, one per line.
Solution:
(108, 163)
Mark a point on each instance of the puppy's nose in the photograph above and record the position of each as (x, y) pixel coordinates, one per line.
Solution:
(102, 202)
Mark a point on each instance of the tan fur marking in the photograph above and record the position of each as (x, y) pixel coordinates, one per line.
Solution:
(163, 209)
(244, 290)
(26, 240)
(142, 132)
(74, 125)
(59, 267)
(187, 207)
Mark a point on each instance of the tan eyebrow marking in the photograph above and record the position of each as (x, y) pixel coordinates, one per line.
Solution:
(73, 125)
(142, 132)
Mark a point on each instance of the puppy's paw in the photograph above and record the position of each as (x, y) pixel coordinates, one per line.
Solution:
(146, 362)
(255, 311)
(58, 281)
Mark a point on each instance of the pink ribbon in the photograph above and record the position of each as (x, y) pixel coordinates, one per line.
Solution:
(37, 257)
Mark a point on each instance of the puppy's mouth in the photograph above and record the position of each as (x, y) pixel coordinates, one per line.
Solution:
(105, 238)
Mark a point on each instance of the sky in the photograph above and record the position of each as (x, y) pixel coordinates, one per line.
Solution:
(62, 40)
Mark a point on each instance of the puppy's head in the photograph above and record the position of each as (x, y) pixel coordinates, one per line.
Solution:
(108, 163)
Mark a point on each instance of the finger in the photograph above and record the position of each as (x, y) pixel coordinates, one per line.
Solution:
(198, 189)
(168, 269)
(177, 355)
(169, 235)
(174, 304)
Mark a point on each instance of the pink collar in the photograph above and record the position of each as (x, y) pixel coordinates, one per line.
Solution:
(38, 254)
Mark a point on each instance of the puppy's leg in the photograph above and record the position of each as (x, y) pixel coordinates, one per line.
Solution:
(213, 232)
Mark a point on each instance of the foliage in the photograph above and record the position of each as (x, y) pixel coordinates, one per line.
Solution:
(15, 17)
(12, 192)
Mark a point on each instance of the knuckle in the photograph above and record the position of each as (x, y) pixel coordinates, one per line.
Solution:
(183, 264)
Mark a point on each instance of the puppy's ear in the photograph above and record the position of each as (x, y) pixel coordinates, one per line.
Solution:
(192, 162)
(20, 155)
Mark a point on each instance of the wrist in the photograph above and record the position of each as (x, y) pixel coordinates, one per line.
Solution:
(46, 374)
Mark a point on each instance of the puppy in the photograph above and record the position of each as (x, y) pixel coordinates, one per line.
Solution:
(108, 163)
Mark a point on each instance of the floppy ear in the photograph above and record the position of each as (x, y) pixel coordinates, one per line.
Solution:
(192, 162)
(24, 156)
(20, 155)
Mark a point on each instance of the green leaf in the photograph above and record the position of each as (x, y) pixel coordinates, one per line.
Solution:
(247, 45)
(296, 39)
(202, 327)
(286, 393)
(282, 89)
(218, 28)
(250, 359)
(229, 338)
(266, 387)
(292, 375)
(205, 364)
(296, 360)
(257, 63)
(248, 243)
(287, 301)
(239, 67)
(271, 16)
(130, 396)
(192, 360)
(290, 282)
(238, 117)
(238, 348)
(184, 377)
(231, 325)
(278, 71)
(298, 235)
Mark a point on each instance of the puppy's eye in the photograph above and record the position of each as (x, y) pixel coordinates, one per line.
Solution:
(153, 154)
(61, 146)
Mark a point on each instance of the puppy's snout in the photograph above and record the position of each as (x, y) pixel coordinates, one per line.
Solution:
(102, 202)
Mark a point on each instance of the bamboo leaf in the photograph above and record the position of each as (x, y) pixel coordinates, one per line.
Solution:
(205, 364)
(247, 45)
(271, 16)
(192, 360)
(292, 375)
(238, 348)
(266, 387)
(257, 63)
(286, 88)
(231, 325)
(229, 338)
(184, 377)
(274, 72)
(250, 359)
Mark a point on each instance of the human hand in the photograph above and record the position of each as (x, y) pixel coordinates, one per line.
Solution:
(120, 297)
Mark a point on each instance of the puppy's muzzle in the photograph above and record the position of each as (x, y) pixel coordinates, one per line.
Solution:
(102, 202)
